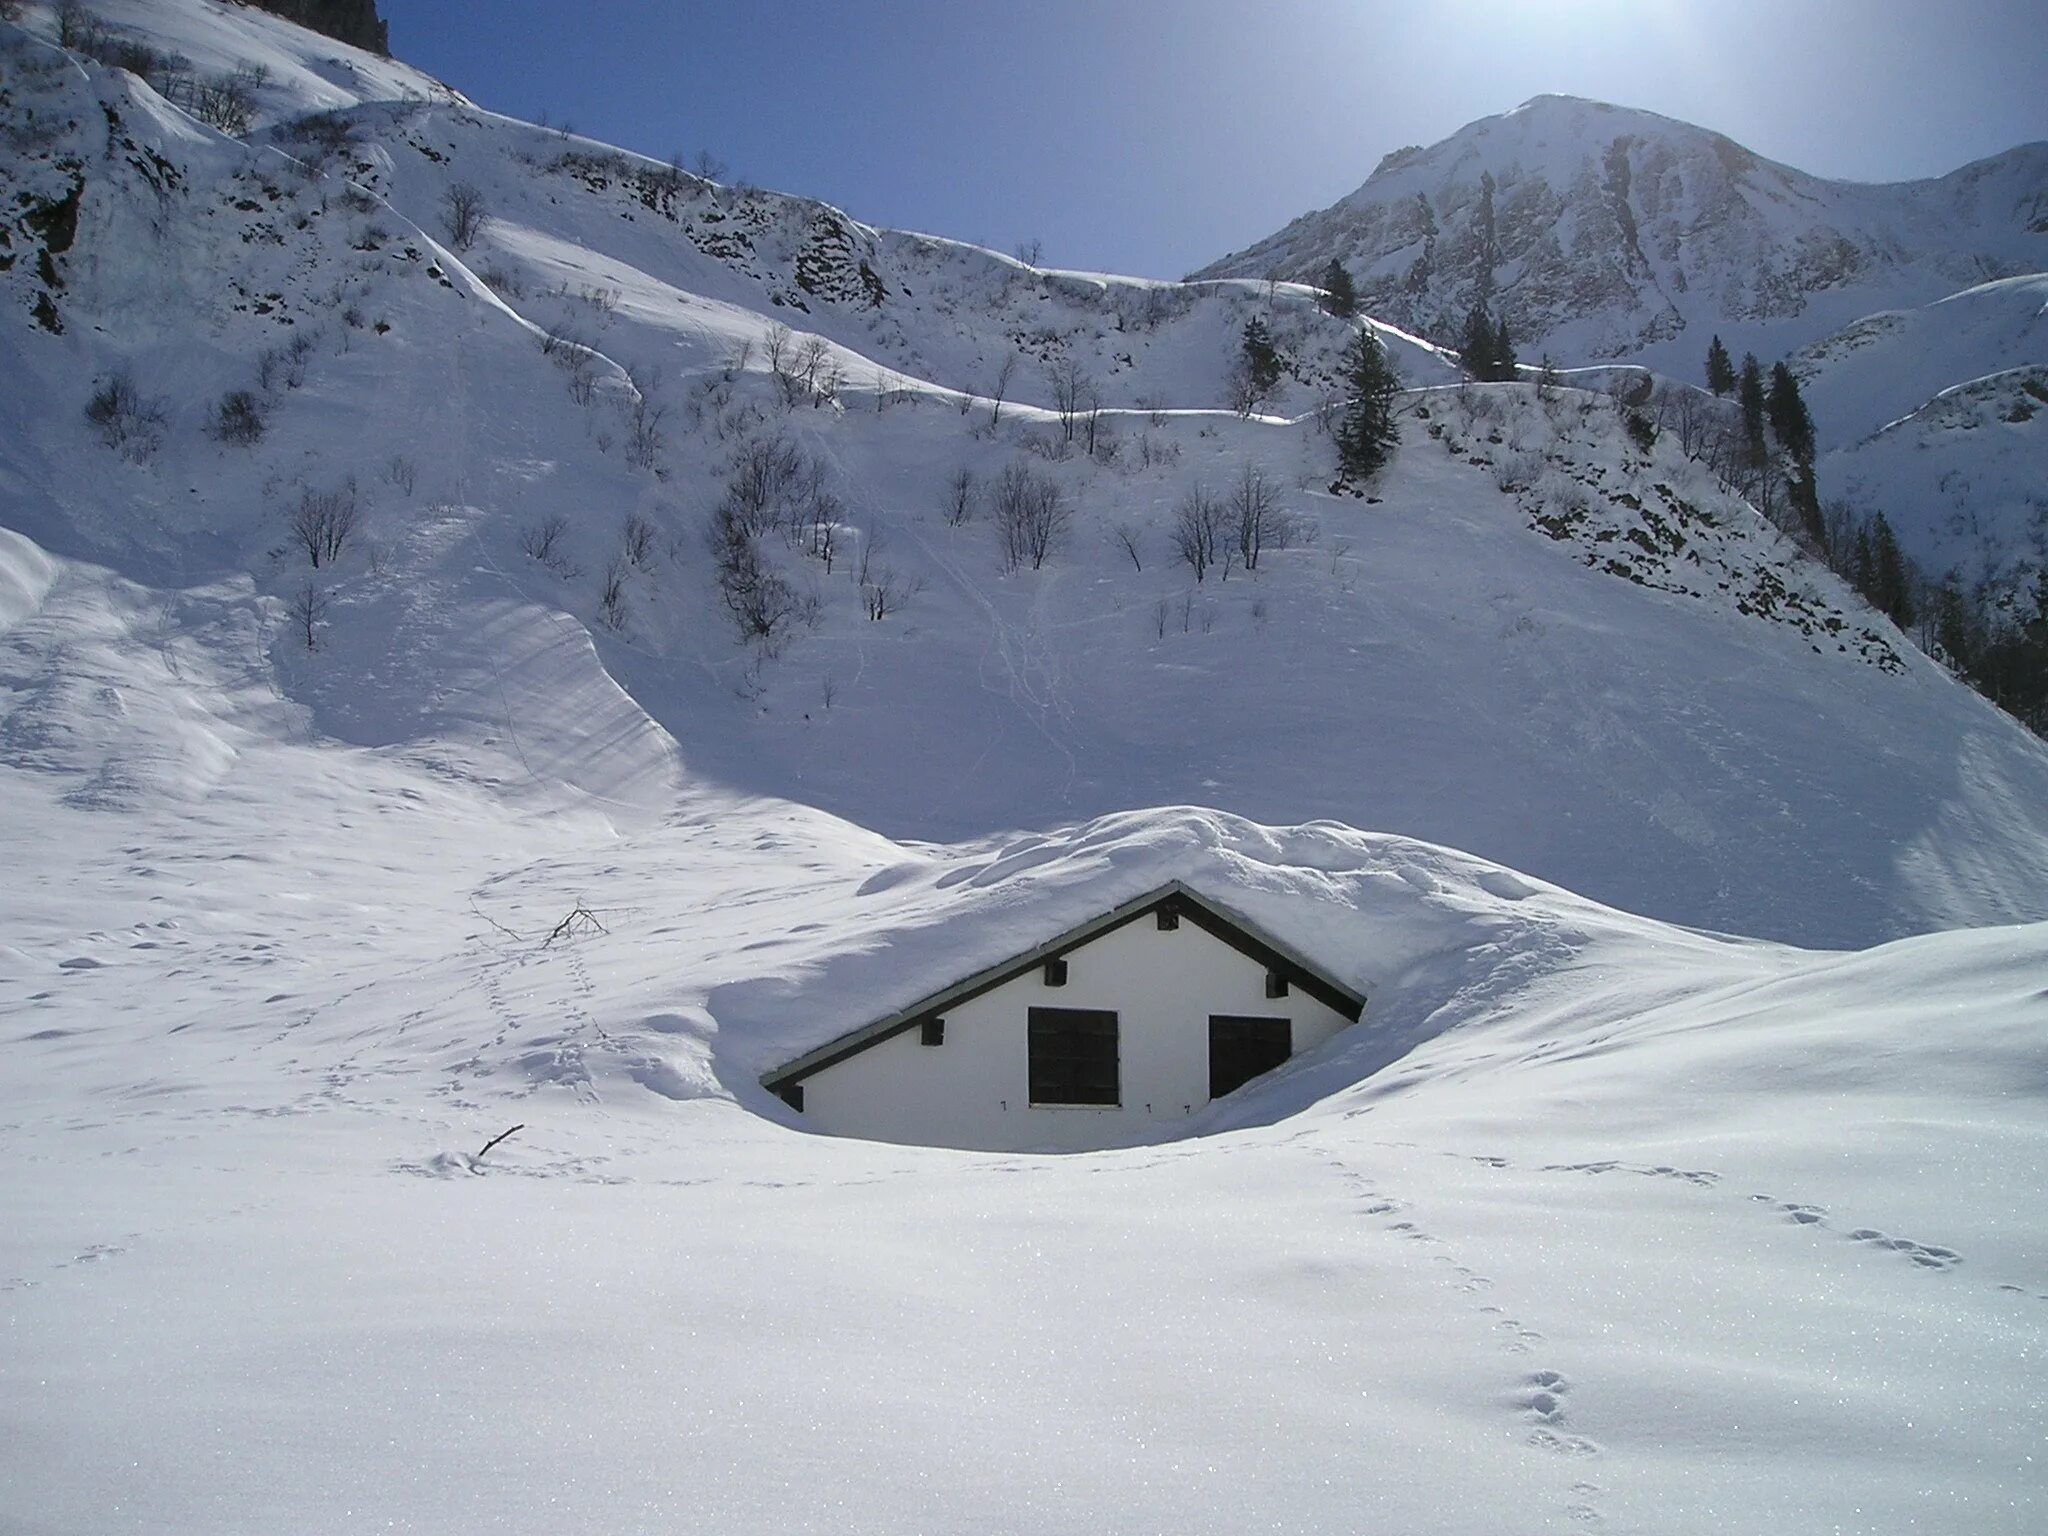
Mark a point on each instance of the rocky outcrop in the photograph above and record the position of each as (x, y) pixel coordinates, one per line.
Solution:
(350, 21)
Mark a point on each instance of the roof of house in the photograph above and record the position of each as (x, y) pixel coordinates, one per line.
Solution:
(1232, 928)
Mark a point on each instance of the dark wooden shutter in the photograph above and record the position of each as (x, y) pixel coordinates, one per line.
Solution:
(1241, 1047)
(1073, 1056)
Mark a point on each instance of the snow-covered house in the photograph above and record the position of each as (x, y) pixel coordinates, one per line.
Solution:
(1105, 1034)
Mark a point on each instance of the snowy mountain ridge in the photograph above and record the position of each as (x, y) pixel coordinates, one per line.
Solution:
(1609, 232)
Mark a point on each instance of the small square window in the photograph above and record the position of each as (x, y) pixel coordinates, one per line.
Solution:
(1168, 919)
(932, 1032)
(1055, 973)
(1276, 984)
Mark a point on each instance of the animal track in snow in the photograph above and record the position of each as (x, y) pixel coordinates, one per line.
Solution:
(1926, 1255)
(1923, 1254)
(1542, 1401)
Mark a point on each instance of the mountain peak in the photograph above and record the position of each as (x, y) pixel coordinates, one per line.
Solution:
(1606, 231)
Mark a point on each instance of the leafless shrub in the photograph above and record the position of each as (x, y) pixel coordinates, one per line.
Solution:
(1031, 516)
(323, 522)
(463, 214)
(308, 610)
(1156, 452)
(504, 282)
(237, 418)
(74, 23)
(887, 590)
(611, 598)
(1197, 533)
(128, 422)
(637, 542)
(644, 438)
(401, 472)
(226, 102)
(960, 497)
(542, 543)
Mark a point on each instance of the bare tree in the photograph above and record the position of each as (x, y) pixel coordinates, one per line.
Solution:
(762, 602)
(323, 522)
(1001, 388)
(1072, 390)
(813, 355)
(710, 167)
(1197, 530)
(1255, 515)
(1030, 251)
(776, 346)
(637, 542)
(463, 214)
(309, 611)
(1091, 420)
(1127, 535)
(1031, 516)
(402, 472)
(611, 597)
(960, 497)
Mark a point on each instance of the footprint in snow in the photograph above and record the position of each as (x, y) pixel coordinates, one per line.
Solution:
(1923, 1254)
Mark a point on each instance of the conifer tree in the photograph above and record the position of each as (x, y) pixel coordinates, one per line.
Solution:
(1367, 435)
(1720, 371)
(1340, 297)
(1890, 587)
(1791, 422)
(1750, 392)
(1477, 346)
(1258, 367)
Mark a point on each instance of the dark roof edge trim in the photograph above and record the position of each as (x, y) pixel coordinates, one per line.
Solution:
(1219, 921)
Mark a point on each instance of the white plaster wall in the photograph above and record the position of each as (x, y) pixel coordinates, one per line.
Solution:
(974, 1090)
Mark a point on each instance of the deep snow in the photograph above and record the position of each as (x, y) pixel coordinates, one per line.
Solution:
(1598, 1217)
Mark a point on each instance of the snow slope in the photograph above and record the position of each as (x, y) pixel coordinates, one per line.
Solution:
(1930, 416)
(1608, 232)
(1651, 745)
(1599, 1217)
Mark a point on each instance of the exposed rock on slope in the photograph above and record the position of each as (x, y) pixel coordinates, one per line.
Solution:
(351, 21)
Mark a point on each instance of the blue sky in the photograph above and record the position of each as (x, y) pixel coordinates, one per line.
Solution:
(1147, 136)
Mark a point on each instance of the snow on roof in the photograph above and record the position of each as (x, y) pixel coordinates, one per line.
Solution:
(1366, 910)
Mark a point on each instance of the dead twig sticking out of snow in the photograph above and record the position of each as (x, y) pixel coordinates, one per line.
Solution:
(480, 912)
(494, 1141)
(582, 920)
